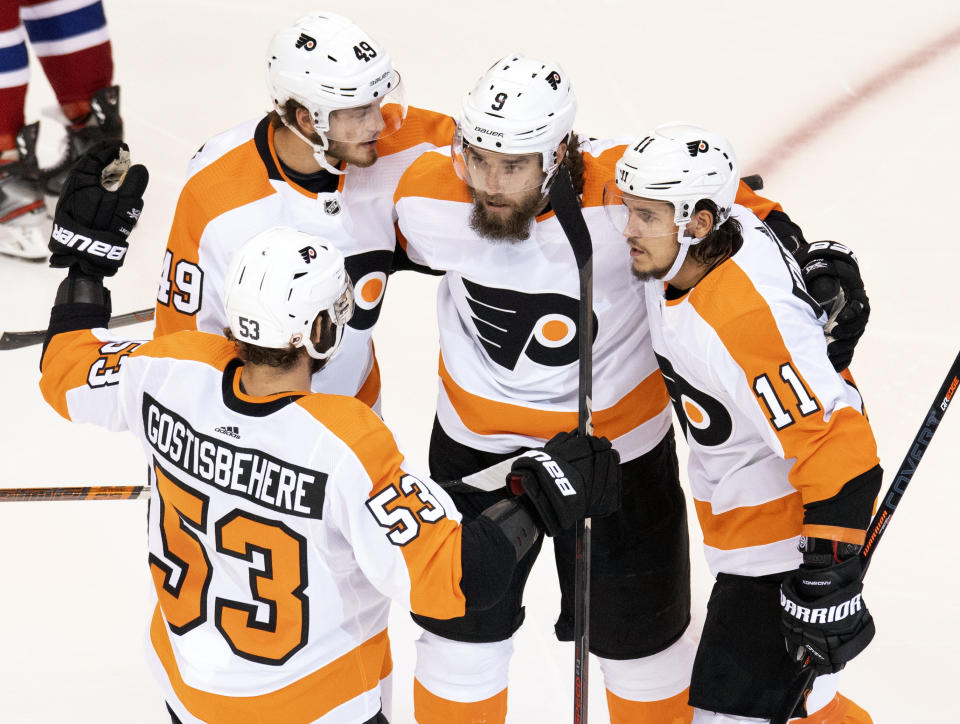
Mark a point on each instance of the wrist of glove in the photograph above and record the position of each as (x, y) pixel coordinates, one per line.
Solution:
(832, 276)
(823, 615)
(571, 478)
(100, 204)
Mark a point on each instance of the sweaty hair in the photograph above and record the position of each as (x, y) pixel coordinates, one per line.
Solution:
(573, 160)
(720, 242)
(284, 359)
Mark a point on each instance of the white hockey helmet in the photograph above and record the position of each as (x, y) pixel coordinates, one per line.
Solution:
(279, 282)
(519, 106)
(328, 64)
(679, 163)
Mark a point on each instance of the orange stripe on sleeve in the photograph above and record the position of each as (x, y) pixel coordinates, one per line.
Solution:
(66, 366)
(432, 176)
(225, 184)
(750, 525)
(491, 417)
(433, 557)
(832, 532)
(420, 126)
(303, 701)
(760, 206)
(828, 453)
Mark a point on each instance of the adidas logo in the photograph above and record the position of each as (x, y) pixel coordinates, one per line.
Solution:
(308, 253)
(230, 430)
(306, 42)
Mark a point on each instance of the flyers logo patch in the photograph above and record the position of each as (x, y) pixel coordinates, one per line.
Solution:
(511, 324)
(306, 42)
(368, 273)
(702, 417)
(697, 147)
(308, 253)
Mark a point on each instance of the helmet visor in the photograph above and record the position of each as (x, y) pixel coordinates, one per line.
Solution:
(341, 311)
(638, 216)
(377, 119)
(495, 173)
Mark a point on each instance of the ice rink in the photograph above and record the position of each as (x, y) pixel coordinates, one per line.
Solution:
(849, 110)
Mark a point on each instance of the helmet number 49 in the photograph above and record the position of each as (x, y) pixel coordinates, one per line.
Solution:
(364, 51)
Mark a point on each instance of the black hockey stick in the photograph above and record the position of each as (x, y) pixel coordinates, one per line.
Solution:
(881, 519)
(566, 207)
(754, 181)
(16, 340)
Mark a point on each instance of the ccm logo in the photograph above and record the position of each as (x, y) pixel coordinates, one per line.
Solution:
(953, 388)
(85, 243)
(550, 465)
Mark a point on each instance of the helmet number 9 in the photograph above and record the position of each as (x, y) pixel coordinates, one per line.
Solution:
(498, 101)
(249, 328)
(364, 51)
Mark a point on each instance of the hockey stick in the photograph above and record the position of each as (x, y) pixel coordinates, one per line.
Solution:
(566, 207)
(754, 181)
(16, 340)
(95, 492)
(881, 519)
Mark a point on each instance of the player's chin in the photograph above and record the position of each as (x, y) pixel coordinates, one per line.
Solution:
(362, 154)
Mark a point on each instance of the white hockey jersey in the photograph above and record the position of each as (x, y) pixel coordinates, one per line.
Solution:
(771, 426)
(236, 188)
(507, 316)
(278, 528)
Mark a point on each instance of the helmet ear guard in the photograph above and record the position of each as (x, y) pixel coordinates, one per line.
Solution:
(277, 285)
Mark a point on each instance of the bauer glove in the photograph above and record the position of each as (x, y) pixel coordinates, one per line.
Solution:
(570, 478)
(832, 276)
(100, 204)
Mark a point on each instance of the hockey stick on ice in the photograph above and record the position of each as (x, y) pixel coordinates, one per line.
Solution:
(881, 519)
(16, 340)
(94, 492)
(566, 207)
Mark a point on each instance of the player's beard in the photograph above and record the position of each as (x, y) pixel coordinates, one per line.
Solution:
(513, 226)
(361, 155)
(655, 273)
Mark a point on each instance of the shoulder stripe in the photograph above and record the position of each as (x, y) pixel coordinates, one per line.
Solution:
(432, 176)
(420, 126)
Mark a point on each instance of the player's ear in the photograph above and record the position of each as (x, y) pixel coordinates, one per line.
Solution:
(700, 224)
(304, 121)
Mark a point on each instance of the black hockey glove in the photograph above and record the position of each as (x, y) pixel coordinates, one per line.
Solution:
(100, 204)
(832, 275)
(823, 615)
(569, 479)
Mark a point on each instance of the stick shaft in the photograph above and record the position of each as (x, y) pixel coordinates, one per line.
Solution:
(18, 340)
(93, 492)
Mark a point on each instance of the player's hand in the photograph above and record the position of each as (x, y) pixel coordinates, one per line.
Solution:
(100, 204)
(571, 478)
(832, 276)
(823, 615)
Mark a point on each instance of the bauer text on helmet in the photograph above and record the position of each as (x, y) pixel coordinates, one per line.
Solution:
(519, 107)
(279, 282)
(342, 77)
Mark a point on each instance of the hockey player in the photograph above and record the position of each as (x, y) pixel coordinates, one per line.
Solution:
(326, 161)
(780, 450)
(72, 44)
(507, 309)
(280, 520)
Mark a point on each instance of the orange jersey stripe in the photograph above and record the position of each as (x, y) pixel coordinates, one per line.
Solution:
(210, 192)
(433, 558)
(64, 369)
(750, 525)
(828, 454)
(211, 349)
(755, 202)
(832, 532)
(420, 126)
(304, 701)
(490, 417)
(370, 390)
(432, 176)
(674, 710)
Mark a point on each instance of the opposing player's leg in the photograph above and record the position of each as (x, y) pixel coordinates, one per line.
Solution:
(24, 227)
(73, 47)
(742, 670)
(639, 594)
(462, 663)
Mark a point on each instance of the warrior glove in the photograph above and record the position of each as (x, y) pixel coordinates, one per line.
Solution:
(823, 615)
(100, 204)
(570, 478)
(832, 275)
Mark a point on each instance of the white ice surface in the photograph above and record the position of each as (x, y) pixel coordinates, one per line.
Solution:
(74, 588)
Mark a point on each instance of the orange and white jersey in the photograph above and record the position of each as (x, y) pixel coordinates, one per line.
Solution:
(236, 188)
(771, 426)
(278, 528)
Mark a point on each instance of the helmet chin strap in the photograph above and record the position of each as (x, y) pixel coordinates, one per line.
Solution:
(685, 243)
(330, 351)
(319, 152)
